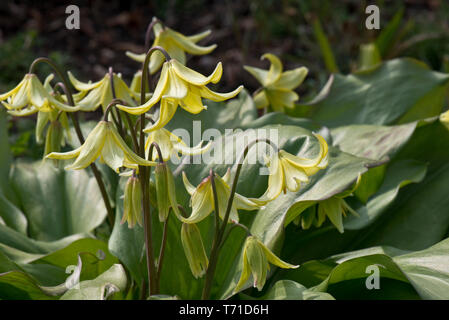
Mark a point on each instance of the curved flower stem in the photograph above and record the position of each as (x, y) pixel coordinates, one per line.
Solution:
(234, 225)
(74, 116)
(216, 246)
(148, 32)
(118, 121)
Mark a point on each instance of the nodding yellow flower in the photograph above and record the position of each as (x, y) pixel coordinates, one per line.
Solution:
(444, 118)
(181, 85)
(194, 249)
(132, 203)
(278, 86)
(104, 142)
(100, 92)
(30, 96)
(256, 257)
(202, 199)
(171, 144)
(287, 171)
(176, 44)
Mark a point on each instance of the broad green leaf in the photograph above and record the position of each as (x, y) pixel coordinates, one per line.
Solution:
(112, 281)
(379, 96)
(57, 203)
(398, 175)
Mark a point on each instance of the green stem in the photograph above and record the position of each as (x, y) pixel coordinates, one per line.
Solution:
(216, 245)
(74, 116)
(145, 174)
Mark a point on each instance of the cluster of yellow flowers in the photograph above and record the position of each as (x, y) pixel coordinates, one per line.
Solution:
(177, 85)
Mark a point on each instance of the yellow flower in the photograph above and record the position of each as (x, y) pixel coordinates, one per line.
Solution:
(105, 142)
(171, 144)
(287, 171)
(256, 257)
(176, 44)
(194, 249)
(132, 203)
(100, 92)
(202, 199)
(181, 85)
(30, 96)
(278, 86)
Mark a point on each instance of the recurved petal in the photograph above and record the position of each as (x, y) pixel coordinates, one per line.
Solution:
(188, 45)
(182, 148)
(135, 56)
(260, 74)
(309, 164)
(275, 71)
(292, 78)
(189, 187)
(83, 86)
(273, 259)
(23, 112)
(192, 102)
(244, 203)
(156, 61)
(19, 98)
(215, 96)
(64, 155)
(160, 88)
(15, 90)
(196, 78)
(199, 36)
(47, 82)
(166, 113)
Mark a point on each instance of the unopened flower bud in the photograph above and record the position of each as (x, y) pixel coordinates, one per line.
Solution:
(194, 249)
(54, 137)
(132, 203)
(165, 191)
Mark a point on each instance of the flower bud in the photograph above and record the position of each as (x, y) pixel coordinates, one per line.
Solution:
(165, 191)
(194, 249)
(132, 203)
(54, 137)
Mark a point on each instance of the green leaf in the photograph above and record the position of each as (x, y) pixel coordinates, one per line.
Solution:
(326, 50)
(112, 281)
(398, 175)
(380, 96)
(57, 203)
(290, 290)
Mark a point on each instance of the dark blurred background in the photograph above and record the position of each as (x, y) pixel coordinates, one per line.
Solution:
(243, 31)
(323, 35)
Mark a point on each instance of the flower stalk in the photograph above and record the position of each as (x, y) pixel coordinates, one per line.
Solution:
(220, 230)
(74, 116)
